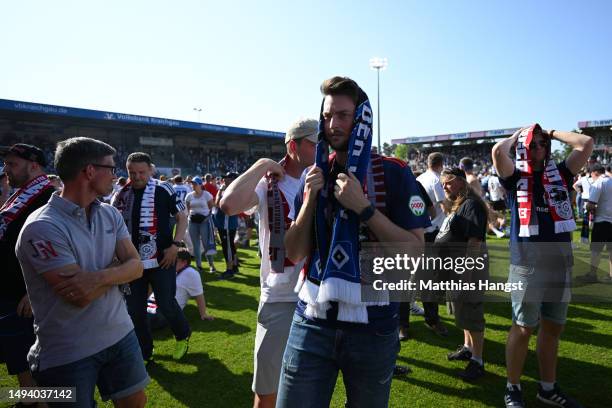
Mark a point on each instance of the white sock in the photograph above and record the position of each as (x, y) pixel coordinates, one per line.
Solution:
(465, 346)
(511, 386)
(547, 386)
(478, 360)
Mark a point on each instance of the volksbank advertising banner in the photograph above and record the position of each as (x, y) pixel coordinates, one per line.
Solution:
(10, 105)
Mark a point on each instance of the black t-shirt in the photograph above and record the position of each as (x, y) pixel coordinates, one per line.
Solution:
(469, 221)
(13, 287)
(166, 205)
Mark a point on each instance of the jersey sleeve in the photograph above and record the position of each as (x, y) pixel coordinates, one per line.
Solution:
(405, 205)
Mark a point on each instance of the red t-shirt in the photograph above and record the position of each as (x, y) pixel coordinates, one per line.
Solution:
(211, 188)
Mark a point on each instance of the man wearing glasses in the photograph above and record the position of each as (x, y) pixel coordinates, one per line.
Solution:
(24, 167)
(75, 253)
(540, 250)
(147, 205)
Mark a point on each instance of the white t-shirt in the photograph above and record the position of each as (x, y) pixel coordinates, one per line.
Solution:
(199, 205)
(181, 191)
(281, 293)
(585, 182)
(601, 193)
(430, 181)
(188, 285)
(496, 191)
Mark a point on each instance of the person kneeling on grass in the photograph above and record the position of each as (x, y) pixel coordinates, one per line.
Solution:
(188, 285)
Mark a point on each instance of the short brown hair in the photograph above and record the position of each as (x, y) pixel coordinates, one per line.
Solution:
(341, 86)
(183, 254)
(435, 159)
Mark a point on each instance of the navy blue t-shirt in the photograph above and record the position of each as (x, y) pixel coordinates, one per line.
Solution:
(557, 251)
(400, 186)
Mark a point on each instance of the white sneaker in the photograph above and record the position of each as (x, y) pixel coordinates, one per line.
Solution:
(416, 309)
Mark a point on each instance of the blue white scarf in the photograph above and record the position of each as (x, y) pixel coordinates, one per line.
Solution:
(333, 271)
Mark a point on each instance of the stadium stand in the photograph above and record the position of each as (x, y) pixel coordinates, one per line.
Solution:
(187, 147)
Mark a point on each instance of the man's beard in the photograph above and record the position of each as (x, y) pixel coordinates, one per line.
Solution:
(339, 147)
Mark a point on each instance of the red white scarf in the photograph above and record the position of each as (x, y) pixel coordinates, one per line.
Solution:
(147, 227)
(278, 224)
(555, 190)
(21, 200)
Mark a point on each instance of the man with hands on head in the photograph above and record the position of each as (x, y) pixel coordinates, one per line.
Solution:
(147, 206)
(269, 188)
(540, 250)
(75, 252)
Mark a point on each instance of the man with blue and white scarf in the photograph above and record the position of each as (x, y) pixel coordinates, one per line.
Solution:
(332, 328)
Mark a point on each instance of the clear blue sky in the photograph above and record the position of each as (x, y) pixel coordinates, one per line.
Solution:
(454, 66)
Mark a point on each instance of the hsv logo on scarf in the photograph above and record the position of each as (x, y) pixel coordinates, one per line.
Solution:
(333, 270)
(147, 227)
(20, 200)
(556, 194)
(278, 223)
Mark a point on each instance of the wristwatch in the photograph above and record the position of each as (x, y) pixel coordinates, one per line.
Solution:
(178, 243)
(367, 213)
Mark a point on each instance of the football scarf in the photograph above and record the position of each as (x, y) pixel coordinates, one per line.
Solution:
(21, 200)
(333, 270)
(555, 189)
(147, 226)
(278, 223)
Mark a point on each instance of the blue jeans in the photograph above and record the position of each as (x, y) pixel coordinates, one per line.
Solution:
(163, 282)
(199, 233)
(314, 354)
(118, 371)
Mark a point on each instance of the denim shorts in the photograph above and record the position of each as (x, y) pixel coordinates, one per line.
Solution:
(118, 371)
(545, 294)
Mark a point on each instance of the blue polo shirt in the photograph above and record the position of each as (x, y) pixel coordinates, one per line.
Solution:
(550, 249)
(400, 186)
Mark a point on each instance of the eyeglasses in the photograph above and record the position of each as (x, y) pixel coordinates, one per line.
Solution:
(113, 169)
(542, 143)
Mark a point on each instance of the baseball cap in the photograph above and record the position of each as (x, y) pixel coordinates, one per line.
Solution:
(303, 128)
(231, 174)
(25, 151)
(197, 180)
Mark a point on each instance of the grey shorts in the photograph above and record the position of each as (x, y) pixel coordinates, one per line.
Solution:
(469, 315)
(545, 294)
(273, 324)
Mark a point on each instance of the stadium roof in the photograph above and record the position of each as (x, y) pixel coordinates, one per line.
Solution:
(595, 123)
(68, 112)
(482, 134)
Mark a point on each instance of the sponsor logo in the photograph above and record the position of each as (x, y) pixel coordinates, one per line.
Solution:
(417, 205)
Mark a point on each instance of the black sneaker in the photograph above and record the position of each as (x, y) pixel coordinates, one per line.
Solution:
(514, 398)
(556, 398)
(400, 370)
(473, 371)
(229, 274)
(438, 328)
(461, 354)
